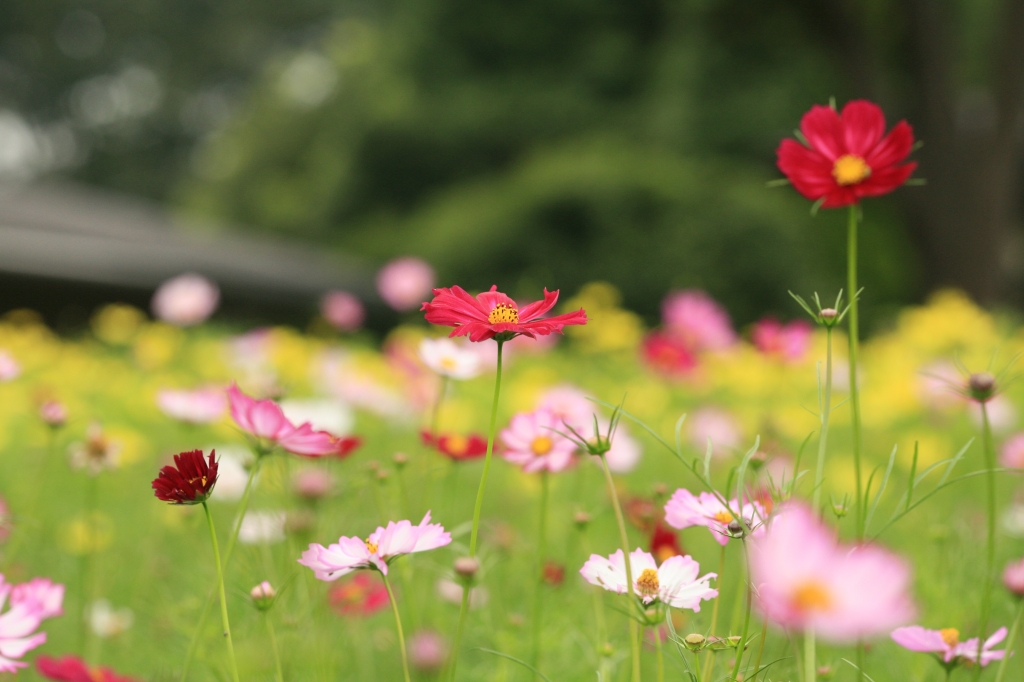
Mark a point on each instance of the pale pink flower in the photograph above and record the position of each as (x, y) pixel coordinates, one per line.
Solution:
(1002, 415)
(625, 452)
(969, 649)
(569, 405)
(937, 385)
(946, 644)
(698, 320)
(685, 509)
(262, 527)
(342, 310)
(384, 544)
(185, 300)
(786, 341)
(451, 592)
(1011, 455)
(5, 521)
(28, 605)
(804, 579)
(1013, 577)
(53, 413)
(718, 426)
(428, 650)
(313, 483)
(675, 582)
(450, 359)
(200, 406)
(9, 367)
(533, 442)
(265, 420)
(405, 282)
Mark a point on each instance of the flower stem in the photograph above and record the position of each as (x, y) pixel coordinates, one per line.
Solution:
(657, 649)
(810, 666)
(273, 647)
(88, 565)
(243, 506)
(223, 596)
(746, 621)
(398, 624)
(435, 415)
(990, 540)
(760, 648)
(538, 597)
(826, 409)
(624, 541)
(476, 512)
(851, 283)
(1009, 641)
(708, 658)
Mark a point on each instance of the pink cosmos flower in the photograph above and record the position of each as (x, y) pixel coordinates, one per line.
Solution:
(343, 310)
(716, 425)
(533, 442)
(569, 405)
(361, 595)
(201, 406)
(1011, 455)
(1002, 414)
(843, 593)
(53, 413)
(1013, 577)
(265, 420)
(185, 300)
(668, 355)
(685, 509)
(5, 521)
(404, 282)
(786, 341)
(675, 582)
(384, 544)
(9, 367)
(492, 314)
(697, 319)
(428, 650)
(449, 359)
(28, 605)
(946, 644)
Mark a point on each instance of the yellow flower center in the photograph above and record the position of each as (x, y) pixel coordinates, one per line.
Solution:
(849, 170)
(503, 314)
(457, 444)
(647, 584)
(541, 445)
(812, 596)
(723, 517)
(449, 363)
(951, 636)
(371, 546)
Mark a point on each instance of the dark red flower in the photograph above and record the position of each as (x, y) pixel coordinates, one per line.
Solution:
(189, 481)
(553, 573)
(346, 446)
(362, 595)
(643, 512)
(74, 669)
(847, 158)
(493, 314)
(456, 446)
(667, 354)
(664, 543)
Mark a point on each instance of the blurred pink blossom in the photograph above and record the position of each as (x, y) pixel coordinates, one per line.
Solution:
(685, 509)
(697, 319)
(717, 425)
(1002, 415)
(405, 283)
(569, 404)
(29, 604)
(313, 483)
(185, 300)
(200, 406)
(531, 441)
(9, 367)
(265, 420)
(786, 341)
(53, 413)
(342, 310)
(428, 650)
(841, 592)
(947, 645)
(1011, 455)
(1013, 577)
(5, 521)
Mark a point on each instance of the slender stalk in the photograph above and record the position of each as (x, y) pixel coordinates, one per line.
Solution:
(435, 414)
(696, 665)
(810, 666)
(223, 597)
(990, 539)
(538, 597)
(624, 541)
(657, 649)
(476, 513)
(88, 564)
(273, 647)
(398, 625)
(851, 283)
(1009, 641)
(746, 620)
(826, 409)
(760, 648)
(243, 506)
(708, 663)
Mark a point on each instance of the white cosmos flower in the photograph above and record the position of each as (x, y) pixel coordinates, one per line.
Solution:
(675, 582)
(262, 528)
(449, 359)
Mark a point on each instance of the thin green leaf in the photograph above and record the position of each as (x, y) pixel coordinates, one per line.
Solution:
(881, 488)
(780, 182)
(520, 662)
(707, 460)
(913, 470)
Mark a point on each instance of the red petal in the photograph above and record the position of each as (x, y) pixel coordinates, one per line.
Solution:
(538, 308)
(863, 126)
(841, 196)
(489, 300)
(893, 148)
(454, 306)
(824, 131)
(809, 171)
(885, 180)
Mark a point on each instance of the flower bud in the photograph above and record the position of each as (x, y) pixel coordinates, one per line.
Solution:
(1013, 577)
(660, 490)
(828, 314)
(53, 414)
(383, 475)
(581, 519)
(467, 567)
(607, 650)
(981, 386)
(694, 642)
(553, 573)
(263, 596)
(400, 459)
(825, 672)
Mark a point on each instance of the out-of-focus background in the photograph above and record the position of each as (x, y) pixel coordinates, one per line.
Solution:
(282, 149)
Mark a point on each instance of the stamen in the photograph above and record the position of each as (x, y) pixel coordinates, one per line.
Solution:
(647, 584)
(723, 517)
(542, 445)
(371, 546)
(812, 596)
(503, 314)
(951, 636)
(850, 169)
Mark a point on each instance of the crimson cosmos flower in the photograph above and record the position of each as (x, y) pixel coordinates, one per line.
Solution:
(493, 315)
(847, 158)
(455, 446)
(74, 669)
(189, 481)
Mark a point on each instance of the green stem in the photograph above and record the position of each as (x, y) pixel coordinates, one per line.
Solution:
(657, 649)
(760, 648)
(746, 621)
(538, 598)
(87, 565)
(810, 666)
(624, 541)
(1009, 641)
(243, 506)
(223, 597)
(273, 647)
(851, 283)
(826, 409)
(398, 624)
(476, 513)
(435, 416)
(708, 664)
(990, 540)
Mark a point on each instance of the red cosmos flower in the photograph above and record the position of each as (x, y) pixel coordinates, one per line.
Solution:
(189, 481)
(492, 314)
(346, 446)
(456, 446)
(847, 158)
(362, 595)
(74, 669)
(667, 354)
(664, 543)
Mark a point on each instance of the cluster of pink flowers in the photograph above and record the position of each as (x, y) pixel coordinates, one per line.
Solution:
(28, 605)
(692, 323)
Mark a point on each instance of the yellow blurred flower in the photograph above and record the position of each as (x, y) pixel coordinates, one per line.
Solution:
(117, 324)
(609, 327)
(87, 534)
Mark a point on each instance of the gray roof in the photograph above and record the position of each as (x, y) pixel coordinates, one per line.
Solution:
(62, 231)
